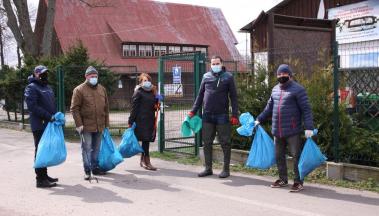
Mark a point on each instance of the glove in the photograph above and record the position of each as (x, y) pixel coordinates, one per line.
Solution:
(159, 97)
(52, 119)
(234, 120)
(79, 129)
(191, 114)
(256, 123)
(308, 133)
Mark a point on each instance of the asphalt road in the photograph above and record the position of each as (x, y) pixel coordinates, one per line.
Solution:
(173, 190)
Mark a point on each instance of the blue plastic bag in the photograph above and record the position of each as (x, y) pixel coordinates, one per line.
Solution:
(262, 152)
(311, 157)
(247, 124)
(51, 148)
(109, 156)
(129, 145)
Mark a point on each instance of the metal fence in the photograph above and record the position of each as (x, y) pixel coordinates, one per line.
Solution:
(347, 113)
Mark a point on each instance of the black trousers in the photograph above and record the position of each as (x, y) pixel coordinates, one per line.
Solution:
(41, 173)
(295, 146)
(145, 147)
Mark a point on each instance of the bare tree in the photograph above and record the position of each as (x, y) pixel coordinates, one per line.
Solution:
(48, 29)
(2, 46)
(20, 25)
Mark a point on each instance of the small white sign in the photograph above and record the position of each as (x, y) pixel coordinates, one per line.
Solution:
(173, 90)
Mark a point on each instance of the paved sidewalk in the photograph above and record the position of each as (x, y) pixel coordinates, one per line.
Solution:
(173, 190)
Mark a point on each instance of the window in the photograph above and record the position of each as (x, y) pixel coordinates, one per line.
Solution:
(174, 49)
(129, 50)
(145, 50)
(159, 50)
(201, 49)
(187, 49)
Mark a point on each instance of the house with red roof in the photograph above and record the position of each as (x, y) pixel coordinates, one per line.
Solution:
(130, 35)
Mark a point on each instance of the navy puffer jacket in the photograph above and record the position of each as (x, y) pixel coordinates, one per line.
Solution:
(41, 103)
(289, 107)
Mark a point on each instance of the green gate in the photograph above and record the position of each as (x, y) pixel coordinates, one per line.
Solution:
(179, 79)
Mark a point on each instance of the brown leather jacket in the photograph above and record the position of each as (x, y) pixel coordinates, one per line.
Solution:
(90, 108)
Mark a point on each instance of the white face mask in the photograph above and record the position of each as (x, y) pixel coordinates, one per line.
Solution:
(216, 68)
(146, 85)
(93, 81)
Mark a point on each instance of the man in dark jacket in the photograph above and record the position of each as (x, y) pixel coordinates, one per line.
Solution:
(216, 88)
(40, 100)
(289, 107)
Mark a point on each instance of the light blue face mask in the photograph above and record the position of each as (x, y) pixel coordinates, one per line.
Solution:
(216, 68)
(93, 81)
(147, 85)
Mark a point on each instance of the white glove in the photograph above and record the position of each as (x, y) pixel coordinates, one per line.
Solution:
(256, 123)
(79, 129)
(308, 133)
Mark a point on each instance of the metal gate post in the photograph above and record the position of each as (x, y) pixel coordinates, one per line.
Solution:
(60, 90)
(336, 105)
(161, 129)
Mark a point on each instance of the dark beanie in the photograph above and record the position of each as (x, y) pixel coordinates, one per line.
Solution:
(284, 68)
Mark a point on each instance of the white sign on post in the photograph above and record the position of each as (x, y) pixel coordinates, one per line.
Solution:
(357, 22)
(177, 75)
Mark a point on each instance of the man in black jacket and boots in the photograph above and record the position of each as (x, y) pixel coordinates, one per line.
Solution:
(216, 88)
(41, 105)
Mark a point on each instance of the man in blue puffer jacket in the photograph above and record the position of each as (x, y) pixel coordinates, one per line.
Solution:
(289, 108)
(40, 100)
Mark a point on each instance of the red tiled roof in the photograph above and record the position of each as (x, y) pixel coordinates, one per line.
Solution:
(103, 29)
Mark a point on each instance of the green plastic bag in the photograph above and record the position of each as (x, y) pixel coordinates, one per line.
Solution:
(191, 126)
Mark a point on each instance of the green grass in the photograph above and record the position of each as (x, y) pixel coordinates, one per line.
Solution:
(317, 176)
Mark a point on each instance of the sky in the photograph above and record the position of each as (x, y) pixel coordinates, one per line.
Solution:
(238, 13)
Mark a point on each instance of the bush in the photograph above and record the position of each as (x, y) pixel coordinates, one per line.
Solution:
(73, 63)
(356, 144)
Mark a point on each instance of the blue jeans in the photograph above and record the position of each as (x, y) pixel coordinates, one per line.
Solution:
(90, 150)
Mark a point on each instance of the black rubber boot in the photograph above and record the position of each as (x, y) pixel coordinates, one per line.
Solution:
(226, 170)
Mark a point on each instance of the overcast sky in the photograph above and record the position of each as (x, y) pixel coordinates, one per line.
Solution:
(237, 13)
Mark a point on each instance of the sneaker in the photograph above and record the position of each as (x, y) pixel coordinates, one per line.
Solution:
(296, 187)
(98, 171)
(87, 176)
(279, 183)
(206, 172)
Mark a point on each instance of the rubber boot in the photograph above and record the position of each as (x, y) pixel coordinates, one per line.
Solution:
(208, 161)
(226, 170)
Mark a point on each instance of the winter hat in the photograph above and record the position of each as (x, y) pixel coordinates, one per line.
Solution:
(40, 69)
(284, 68)
(91, 70)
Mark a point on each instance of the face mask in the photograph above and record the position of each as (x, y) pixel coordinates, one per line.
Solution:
(283, 79)
(216, 68)
(43, 78)
(146, 85)
(93, 81)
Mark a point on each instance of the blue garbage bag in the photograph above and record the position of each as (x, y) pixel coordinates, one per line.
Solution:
(262, 152)
(129, 145)
(51, 147)
(247, 124)
(191, 126)
(311, 157)
(109, 156)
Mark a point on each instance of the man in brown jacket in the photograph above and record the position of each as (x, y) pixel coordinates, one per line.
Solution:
(90, 110)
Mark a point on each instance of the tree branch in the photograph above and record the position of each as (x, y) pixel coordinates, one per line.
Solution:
(13, 25)
(25, 26)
